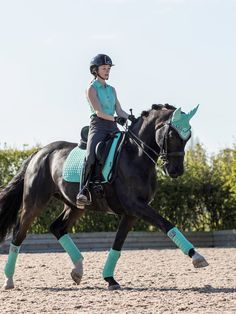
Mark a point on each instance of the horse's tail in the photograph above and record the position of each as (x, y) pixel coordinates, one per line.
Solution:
(11, 199)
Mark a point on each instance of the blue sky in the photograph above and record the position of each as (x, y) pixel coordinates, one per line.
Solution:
(176, 51)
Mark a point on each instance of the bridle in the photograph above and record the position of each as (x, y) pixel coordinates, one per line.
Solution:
(164, 143)
(163, 153)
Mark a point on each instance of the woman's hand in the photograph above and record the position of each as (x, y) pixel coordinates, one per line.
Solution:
(120, 120)
(132, 118)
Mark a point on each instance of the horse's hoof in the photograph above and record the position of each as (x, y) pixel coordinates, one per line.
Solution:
(9, 284)
(199, 261)
(114, 287)
(112, 284)
(76, 277)
(77, 272)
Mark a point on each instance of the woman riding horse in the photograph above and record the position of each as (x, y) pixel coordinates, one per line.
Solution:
(162, 131)
(104, 103)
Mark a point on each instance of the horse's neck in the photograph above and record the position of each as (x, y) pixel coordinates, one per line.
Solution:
(145, 132)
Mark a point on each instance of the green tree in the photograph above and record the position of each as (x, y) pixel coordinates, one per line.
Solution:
(10, 162)
(203, 198)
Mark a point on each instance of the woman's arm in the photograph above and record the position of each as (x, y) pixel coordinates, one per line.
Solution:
(120, 112)
(92, 98)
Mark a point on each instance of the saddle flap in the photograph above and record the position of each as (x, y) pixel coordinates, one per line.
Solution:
(102, 149)
(110, 158)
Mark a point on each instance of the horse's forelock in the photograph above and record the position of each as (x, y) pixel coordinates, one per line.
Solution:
(162, 112)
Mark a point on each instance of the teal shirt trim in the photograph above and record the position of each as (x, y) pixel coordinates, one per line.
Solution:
(106, 96)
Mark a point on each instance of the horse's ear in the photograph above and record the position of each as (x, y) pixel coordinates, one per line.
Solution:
(176, 115)
(192, 112)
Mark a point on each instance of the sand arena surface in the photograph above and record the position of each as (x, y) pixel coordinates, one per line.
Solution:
(152, 281)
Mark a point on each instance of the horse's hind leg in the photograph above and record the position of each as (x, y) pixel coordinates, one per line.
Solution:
(125, 225)
(37, 193)
(60, 229)
(28, 213)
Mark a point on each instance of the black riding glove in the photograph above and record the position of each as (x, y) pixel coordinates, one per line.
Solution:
(132, 118)
(120, 120)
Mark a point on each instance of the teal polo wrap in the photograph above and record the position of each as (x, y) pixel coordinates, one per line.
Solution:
(69, 246)
(112, 259)
(11, 261)
(179, 239)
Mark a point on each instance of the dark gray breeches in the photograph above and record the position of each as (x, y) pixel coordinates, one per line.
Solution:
(98, 130)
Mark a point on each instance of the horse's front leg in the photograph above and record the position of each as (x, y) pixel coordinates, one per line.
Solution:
(148, 214)
(59, 229)
(125, 225)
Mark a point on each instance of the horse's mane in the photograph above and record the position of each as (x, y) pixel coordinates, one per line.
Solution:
(146, 113)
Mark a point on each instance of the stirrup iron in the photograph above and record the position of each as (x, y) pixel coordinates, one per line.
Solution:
(82, 199)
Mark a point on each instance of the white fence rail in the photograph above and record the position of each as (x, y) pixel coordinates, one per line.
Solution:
(135, 240)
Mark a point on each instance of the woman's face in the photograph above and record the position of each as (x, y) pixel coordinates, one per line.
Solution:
(104, 71)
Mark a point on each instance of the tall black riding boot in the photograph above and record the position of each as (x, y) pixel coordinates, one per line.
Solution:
(84, 196)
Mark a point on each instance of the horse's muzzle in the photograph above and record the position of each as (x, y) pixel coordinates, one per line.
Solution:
(173, 172)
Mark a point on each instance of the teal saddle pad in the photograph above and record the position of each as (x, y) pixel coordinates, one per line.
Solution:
(73, 164)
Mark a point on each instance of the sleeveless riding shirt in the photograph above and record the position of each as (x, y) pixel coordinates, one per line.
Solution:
(106, 97)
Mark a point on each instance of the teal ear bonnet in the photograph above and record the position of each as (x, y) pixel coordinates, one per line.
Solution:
(180, 122)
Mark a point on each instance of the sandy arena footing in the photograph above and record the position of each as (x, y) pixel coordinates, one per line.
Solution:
(152, 281)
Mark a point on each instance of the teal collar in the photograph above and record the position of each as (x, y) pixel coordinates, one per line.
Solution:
(99, 84)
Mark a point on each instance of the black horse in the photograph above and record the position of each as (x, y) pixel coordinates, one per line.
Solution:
(161, 131)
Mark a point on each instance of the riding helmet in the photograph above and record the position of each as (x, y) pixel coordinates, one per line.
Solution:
(98, 60)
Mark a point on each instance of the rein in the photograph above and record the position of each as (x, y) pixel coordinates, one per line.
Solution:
(163, 154)
(143, 145)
